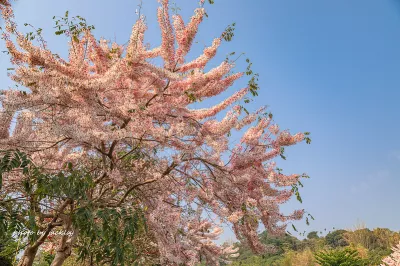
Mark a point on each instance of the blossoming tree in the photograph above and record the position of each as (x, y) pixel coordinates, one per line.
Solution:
(130, 123)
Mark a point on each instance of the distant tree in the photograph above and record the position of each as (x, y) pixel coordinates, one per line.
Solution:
(280, 244)
(385, 238)
(339, 257)
(312, 235)
(363, 237)
(336, 239)
(302, 258)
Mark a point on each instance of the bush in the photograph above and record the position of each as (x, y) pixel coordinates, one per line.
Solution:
(340, 257)
(303, 258)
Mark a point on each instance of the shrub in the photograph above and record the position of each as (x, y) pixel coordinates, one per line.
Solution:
(340, 257)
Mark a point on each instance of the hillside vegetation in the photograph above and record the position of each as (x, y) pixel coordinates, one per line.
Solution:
(340, 247)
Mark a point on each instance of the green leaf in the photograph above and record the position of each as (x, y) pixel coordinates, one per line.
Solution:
(294, 228)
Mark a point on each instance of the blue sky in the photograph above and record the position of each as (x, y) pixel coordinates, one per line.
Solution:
(328, 67)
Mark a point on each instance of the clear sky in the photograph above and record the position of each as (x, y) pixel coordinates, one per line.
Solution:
(328, 67)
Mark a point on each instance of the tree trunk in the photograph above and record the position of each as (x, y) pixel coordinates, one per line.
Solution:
(60, 257)
(30, 252)
(28, 257)
(64, 250)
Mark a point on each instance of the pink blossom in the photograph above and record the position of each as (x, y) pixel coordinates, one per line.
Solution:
(101, 103)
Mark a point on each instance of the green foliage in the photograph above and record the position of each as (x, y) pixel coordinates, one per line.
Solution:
(312, 235)
(253, 82)
(375, 256)
(228, 34)
(15, 218)
(73, 27)
(71, 183)
(258, 261)
(307, 138)
(18, 211)
(191, 97)
(12, 160)
(295, 189)
(336, 239)
(108, 234)
(299, 258)
(339, 247)
(339, 257)
(35, 34)
(281, 244)
(6, 257)
(174, 8)
(43, 259)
